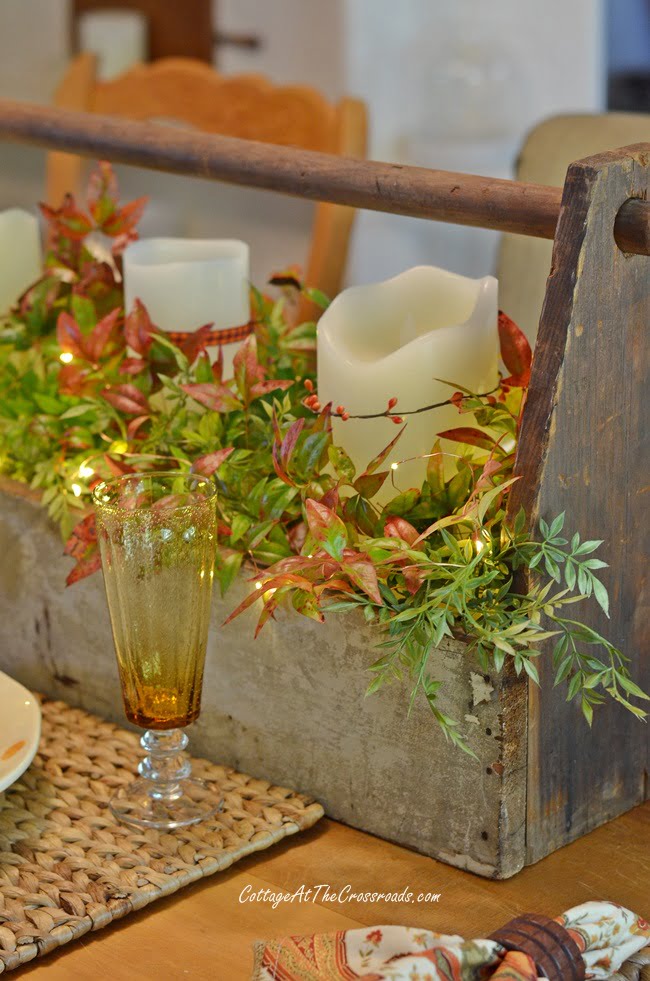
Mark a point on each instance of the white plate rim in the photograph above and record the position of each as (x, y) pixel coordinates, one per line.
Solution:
(28, 752)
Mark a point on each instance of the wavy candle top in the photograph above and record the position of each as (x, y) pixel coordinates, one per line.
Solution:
(417, 337)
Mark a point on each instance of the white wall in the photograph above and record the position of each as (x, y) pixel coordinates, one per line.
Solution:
(453, 84)
(33, 47)
(456, 86)
(302, 41)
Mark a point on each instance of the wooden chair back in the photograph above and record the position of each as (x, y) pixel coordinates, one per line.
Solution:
(246, 106)
(524, 263)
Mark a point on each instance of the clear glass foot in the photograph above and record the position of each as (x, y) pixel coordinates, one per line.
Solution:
(165, 796)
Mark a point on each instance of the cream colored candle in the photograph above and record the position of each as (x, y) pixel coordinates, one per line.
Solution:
(417, 337)
(185, 283)
(21, 261)
(117, 37)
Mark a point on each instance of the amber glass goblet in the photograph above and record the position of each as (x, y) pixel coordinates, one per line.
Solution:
(157, 534)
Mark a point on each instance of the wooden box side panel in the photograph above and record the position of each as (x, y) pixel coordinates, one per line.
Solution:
(584, 449)
(291, 707)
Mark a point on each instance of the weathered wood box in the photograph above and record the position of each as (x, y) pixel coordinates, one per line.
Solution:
(290, 706)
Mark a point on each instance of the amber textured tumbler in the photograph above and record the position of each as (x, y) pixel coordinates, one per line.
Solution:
(157, 536)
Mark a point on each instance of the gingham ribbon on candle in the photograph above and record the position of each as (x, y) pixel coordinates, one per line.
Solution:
(603, 936)
(227, 335)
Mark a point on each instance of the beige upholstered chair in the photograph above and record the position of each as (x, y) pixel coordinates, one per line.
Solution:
(524, 263)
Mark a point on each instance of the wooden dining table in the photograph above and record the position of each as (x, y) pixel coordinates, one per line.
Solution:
(206, 931)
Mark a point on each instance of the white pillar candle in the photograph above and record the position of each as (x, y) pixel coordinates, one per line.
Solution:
(185, 283)
(117, 37)
(21, 261)
(406, 338)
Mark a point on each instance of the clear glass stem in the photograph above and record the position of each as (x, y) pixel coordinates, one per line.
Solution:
(165, 796)
(165, 764)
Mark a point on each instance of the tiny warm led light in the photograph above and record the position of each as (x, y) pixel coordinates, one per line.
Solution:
(479, 544)
(202, 574)
(85, 471)
(66, 357)
(76, 490)
(258, 585)
(394, 466)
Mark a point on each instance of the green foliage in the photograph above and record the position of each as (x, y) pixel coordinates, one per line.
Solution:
(86, 392)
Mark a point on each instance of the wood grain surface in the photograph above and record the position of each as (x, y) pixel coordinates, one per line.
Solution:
(584, 450)
(464, 199)
(205, 933)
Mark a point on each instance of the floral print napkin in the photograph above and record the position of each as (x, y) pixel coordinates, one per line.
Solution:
(606, 935)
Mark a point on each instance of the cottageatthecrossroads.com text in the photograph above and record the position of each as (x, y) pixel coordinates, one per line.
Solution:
(324, 893)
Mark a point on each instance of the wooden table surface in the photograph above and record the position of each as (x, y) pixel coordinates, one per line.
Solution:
(206, 932)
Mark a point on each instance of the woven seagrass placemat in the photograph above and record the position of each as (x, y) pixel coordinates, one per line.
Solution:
(67, 866)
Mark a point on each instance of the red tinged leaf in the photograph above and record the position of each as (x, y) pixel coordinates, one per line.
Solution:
(457, 399)
(135, 424)
(196, 342)
(82, 546)
(95, 277)
(339, 585)
(363, 574)
(82, 537)
(124, 220)
(138, 329)
(69, 336)
(133, 366)
(98, 338)
(246, 367)
(396, 527)
(274, 582)
(515, 351)
(491, 468)
(326, 528)
(210, 463)
(217, 366)
(279, 469)
(331, 498)
(271, 385)
(290, 440)
(413, 578)
(117, 467)
(85, 568)
(126, 398)
(219, 398)
(469, 436)
(385, 453)
(73, 380)
(102, 192)
(369, 484)
(68, 221)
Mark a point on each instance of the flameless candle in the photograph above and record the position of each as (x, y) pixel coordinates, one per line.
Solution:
(417, 337)
(117, 37)
(185, 283)
(20, 255)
